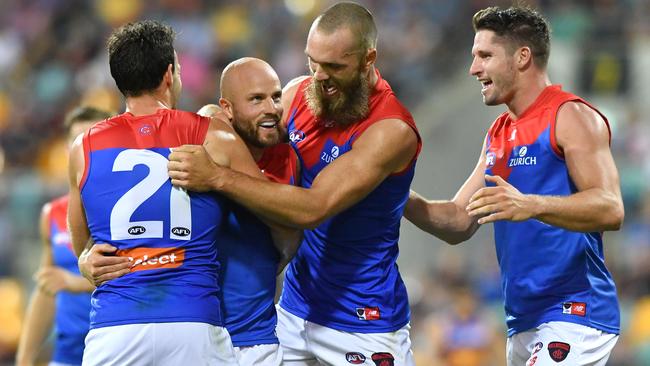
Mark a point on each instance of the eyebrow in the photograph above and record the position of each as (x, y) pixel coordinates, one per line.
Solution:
(323, 62)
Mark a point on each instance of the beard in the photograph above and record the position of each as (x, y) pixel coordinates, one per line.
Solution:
(351, 104)
(250, 133)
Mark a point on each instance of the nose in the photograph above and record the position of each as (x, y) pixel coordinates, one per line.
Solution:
(475, 67)
(272, 107)
(319, 73)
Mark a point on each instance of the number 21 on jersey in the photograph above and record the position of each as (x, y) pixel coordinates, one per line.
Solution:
(180, 212)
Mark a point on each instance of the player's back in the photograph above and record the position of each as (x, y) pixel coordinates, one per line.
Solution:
(170, 234)
(72, 309)
(250, 261)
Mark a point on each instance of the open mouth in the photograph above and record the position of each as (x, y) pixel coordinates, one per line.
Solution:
(330, 90)
(486, 85)
(268, 124)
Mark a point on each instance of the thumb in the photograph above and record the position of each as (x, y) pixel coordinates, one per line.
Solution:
(105, 248)
(496, 180)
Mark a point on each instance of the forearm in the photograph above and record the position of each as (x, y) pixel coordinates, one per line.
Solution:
(38, 322)
(444, 219)
(280, 203)
(78, 284)
(286, 241)
(592, 210)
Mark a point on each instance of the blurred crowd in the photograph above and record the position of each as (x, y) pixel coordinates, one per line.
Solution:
(53, 57)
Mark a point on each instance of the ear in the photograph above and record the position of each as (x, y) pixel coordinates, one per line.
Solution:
(524, 57)
(168, 78)
(226, 107)
(371, 57)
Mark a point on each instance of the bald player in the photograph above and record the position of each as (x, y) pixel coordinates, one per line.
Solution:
(250, 101)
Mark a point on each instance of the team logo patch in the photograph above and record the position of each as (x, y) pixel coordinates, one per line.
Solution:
(558, 351)
(296, 136)
(490, 159)
(574, 308)
(383, 359)
(368, 313)
(145, 130)
(355, 358)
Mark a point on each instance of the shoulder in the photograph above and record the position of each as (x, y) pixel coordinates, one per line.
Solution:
(289, 91)
(576, 121)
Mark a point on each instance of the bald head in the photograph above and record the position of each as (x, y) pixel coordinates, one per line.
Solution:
(250, 99)
(239, 74)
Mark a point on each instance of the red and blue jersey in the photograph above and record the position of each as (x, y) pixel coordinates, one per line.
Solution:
(249, 261)
(548, 273)
(72, 316)
(344, 275)
(171, 234)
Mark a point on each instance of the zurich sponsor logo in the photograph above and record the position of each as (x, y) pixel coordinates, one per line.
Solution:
(329, 157)
(355, 358)
(296, 136)
(521, 157)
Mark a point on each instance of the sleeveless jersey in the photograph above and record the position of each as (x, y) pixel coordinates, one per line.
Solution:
(171, 234)
(249, 262)
(71, 318)
(344, 275)
(547, 273)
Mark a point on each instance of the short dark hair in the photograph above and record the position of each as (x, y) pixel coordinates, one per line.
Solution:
(84, 113)
(519, 26)
(353, 16)
(139, 54)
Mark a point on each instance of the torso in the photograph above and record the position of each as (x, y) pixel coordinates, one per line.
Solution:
(344, 275)
(548, 273)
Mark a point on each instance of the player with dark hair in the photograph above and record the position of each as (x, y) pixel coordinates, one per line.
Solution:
(547, 180)
(166, 310)
(62, 296)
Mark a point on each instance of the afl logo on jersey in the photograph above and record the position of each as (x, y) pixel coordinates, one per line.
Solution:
(490, 158)
(181, 231)
(355, 358)
(296, 136)
(137, 230)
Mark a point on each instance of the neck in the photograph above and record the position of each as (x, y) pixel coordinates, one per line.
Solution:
(146, 104)
(526, 93)
(372, 78)
(256, 152)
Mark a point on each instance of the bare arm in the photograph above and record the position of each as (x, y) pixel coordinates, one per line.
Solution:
(77, 224)
(597, 206)
(40, 311)
(386, 147)
(448, 220)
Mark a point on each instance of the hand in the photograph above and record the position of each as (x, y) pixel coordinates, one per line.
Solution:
(99, 264)
(191, 167)
(501, 202)
(52, 279)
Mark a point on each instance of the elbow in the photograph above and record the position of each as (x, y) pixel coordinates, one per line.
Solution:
(457, 238)
(615, 217)
(310, 221)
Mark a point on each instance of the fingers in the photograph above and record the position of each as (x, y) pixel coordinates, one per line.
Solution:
(493, 217)
(496, 179)
(101, 279)
(483, 210)
(103, 248)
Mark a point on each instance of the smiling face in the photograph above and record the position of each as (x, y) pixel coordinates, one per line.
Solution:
(494, 67)
(251, 99)
(339, 89)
